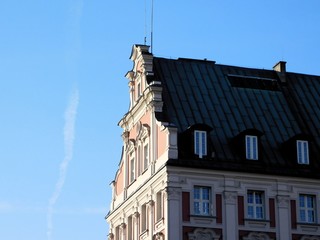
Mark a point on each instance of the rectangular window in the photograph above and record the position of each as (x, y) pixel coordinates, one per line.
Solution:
(251, 147)
(139, 90)
(159, 205)
(255, 205)
(145, 156)
(144, 218)
(200, 143)
(307, 208)
(132, 167)
(201, 200)
(130, 233)
(302, 152)
(117, 233)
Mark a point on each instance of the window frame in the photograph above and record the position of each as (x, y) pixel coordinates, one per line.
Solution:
(302, 152)
(305, 209)
(130, 228)
(201, 209)
(200, 143)
(132, 166)
(144, 218)
(252, 147)
(146, 157)
(255, 206)
(159, 206)
(138, 89)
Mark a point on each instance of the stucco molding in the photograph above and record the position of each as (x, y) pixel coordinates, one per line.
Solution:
(158, 236)
(230, 197)
(173, 193)
(203, 234)
(310, 237)
(283, 201)
(110, 236)
(257, 236)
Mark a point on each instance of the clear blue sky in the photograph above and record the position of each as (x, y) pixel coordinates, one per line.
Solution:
(63, 91)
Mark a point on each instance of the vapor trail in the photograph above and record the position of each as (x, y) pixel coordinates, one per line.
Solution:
(69, 133)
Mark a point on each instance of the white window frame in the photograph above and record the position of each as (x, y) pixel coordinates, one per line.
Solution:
(307, 208)
(202, 200)
(256, 205)
(252, 151)
(302, 152)
(138, 89)
(132, 166)
(146, 154)
(159, 206)
(130, 228)
(144, 218)
(200, 143)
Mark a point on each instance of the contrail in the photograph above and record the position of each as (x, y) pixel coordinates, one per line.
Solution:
(69, 132)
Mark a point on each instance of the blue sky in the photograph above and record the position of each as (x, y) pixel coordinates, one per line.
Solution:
(63, 91)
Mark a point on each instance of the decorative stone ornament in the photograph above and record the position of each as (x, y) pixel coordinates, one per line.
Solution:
(257, 236)
(203, 234)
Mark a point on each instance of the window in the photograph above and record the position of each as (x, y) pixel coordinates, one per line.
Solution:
(255, 205)
(130, 229)
(307, 208)
(302, 152)
(144, 218)
(117, 233)
(139, 164)
(251, 147)
(139, 90)
(200, 143)
(145, 156)
(132, 167)
(201, 200)
(159, 205)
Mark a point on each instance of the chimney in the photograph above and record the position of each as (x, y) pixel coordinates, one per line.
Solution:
(280, 68)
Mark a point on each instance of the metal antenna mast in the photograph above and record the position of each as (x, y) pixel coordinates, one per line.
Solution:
(145, 22)
(151, 44)
(146, 27)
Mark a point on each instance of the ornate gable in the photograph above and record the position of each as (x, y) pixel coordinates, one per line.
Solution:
(142, 68)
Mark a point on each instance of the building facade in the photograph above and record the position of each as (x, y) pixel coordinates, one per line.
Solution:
(217, 152)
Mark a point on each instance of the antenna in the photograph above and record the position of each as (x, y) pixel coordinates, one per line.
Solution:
(151, 44)
(145, 22)
(146, 27)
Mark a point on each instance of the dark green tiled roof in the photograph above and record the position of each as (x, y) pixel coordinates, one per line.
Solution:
(233, 99)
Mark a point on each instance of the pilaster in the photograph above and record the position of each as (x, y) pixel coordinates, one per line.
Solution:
(230, 205)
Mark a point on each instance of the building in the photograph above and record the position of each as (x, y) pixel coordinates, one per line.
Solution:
(213, 151)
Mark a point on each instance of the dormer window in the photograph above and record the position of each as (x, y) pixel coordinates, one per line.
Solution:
(251, 147)
(302, 152)
(200, 143)
(248, 144)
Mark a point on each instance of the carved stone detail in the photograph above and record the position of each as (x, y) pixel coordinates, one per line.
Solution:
(110, 236)
(257, 236)
(203, 234)
(283, 201)
(310, 238)
(158, 236)
(173, 193)
(230, 197)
